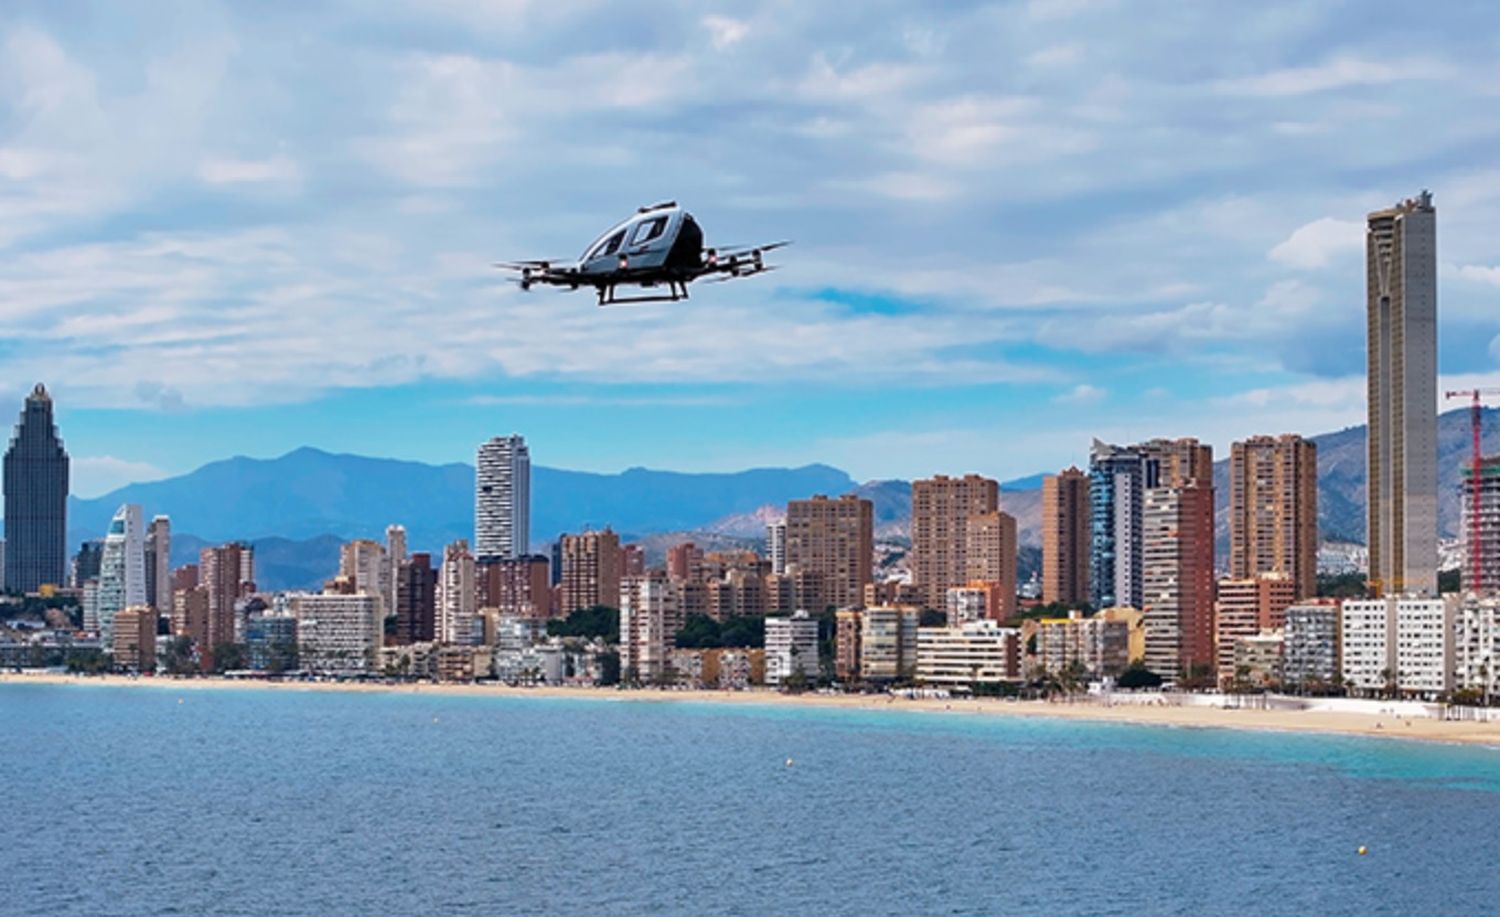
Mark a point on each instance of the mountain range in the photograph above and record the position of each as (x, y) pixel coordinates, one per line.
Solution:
(297, 508)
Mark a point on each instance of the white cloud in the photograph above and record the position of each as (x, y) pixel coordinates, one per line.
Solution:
(1480, 273)
(1317, 243)
(724, 31)
(94, 475)
(230, 171)
(1337, 73)
(1083, 393)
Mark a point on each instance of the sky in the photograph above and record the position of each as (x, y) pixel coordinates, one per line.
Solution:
(240, 228)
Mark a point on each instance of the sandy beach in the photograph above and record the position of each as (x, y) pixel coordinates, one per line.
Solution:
(1417, 728)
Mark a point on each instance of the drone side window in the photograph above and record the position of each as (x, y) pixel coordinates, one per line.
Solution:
(611, 246)
(651, 229)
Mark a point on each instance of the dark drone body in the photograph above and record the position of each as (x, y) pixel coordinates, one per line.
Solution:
(658, 247)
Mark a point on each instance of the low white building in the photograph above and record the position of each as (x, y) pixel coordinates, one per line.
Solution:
(791, 646)
(1368, 646)
(1424, 646)
(1477, 645)
(976, 652)
(1400, 642)
(1310, 652)
(337, 634)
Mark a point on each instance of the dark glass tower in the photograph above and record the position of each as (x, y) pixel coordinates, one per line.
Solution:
(36, 499)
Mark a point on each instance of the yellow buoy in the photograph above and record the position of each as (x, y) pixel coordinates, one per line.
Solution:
(1363, 850)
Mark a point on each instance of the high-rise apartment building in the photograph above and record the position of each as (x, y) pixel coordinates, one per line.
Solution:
(1310, 652)
(685, 561)
(458, 597)
(990, 550)
(395, 556)
(1178, 577)
(791, 647)
(133, 638)
(888, 642)
(1273, 510)
(1486, 549)
(1117, 482)
(521, 587)
(502, 499)
(833, 540)
(337, 634)
(158, 564)
(122, 569)
(36, 499)
(227, 574)
(1065, 538)
(364, 564)
(776, 545)
(648, 623)
(590, 571)
(1401, 303)
(416, 600)
(940, 510)
(1120, 479)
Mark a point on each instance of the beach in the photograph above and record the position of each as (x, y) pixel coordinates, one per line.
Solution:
(1313, 721)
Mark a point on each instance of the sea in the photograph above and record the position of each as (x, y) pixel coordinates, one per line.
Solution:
(129, 800)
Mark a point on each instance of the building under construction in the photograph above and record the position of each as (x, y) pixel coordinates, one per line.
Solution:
(1482, 541)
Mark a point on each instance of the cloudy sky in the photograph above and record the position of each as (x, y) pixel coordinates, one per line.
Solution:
(241, 228)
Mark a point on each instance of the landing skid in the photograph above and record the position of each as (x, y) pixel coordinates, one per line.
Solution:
(678, 291)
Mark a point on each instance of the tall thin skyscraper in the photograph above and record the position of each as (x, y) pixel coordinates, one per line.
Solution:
(1273, 511)
(1401, 290)
(395, 556)
(502, 499)
(1065, 537)
(36, 499)
(159, 564)
(122, 568)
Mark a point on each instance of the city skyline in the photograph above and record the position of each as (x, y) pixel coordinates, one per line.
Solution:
(1028, 271)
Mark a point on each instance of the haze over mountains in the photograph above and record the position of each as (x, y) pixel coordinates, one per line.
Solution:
(297, 508)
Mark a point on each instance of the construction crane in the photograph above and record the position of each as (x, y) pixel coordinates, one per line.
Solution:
(1476, 531)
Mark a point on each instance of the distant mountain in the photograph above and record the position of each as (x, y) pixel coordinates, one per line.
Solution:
(309, 493)
(298, 507)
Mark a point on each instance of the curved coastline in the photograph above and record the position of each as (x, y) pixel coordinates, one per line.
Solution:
(1334, 723)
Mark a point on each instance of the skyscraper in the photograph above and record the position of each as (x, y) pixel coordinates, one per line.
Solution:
(940, 510)
(502, 499)
(990, 550)
(395, 556)
(36, 499)
(1065, 537)
(159, 564)
(1401, 302)
(227, 574)
(458, 597)
(416, 600)
(1487, 550)
(833, 540)
(776, 545)
(122, 569)
(1178, 577)
(1273, 510)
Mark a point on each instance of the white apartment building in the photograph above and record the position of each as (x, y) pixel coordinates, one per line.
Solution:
(1100, 645)
(337, 634)
(457, 598)
(1476, 647)
(966, 603)
(791, 646)
(502, 498)
(888, 642)
(973, 653)
(1310, 650)
(122, 569)
(647, 608)
(1424, 645)
(1406, 642)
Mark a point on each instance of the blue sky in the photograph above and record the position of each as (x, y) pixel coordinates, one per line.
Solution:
(241, 228)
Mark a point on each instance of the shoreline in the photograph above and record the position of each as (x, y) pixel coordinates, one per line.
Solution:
(1421, 729)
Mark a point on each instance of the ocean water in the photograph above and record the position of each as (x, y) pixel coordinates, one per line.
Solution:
(123, 800)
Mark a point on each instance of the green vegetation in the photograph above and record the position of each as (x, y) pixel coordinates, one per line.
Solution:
(1342, 586)
(1450, 581)
(230, 657)
(1138, 676)
(179, 657)
(89, 661)
(703, 632)
(609, 669)
(598, 621)
(1050, 610)
(931, 617)
(25, 607)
